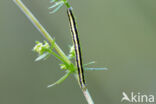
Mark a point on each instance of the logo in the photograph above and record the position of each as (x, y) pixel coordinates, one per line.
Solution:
(137, 98)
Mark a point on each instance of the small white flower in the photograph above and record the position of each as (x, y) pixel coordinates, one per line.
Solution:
(41, 48)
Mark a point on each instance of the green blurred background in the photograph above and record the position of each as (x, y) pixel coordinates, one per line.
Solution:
(117, 34)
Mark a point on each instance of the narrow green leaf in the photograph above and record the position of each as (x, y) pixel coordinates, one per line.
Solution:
(43, 56)
(51, 1)
(91, 69)
(56, 4)
(93, 62)
(60, 80)
(57, 8)
(53, 6)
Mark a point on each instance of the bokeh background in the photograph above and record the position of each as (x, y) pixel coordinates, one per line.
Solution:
(117, 34)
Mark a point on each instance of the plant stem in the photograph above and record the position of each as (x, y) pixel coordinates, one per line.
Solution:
(41, 29)
(37, 24)
(66, 3)
(88, 96)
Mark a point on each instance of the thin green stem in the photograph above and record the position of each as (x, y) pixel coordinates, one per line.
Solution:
(37, 24)
(86, 93)
(66, 3)
(88, 97)
(60, 58)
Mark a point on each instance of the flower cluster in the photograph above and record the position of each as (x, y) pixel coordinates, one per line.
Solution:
(41, 48)
(71, 52)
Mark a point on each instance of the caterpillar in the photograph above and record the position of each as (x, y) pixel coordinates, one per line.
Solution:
(76, 42)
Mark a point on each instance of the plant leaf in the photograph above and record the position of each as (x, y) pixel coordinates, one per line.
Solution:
(59, 5)
(53, 6)
(51, 1)
(60, 80)
(91, 69)
(92, 62)
(43, 56)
